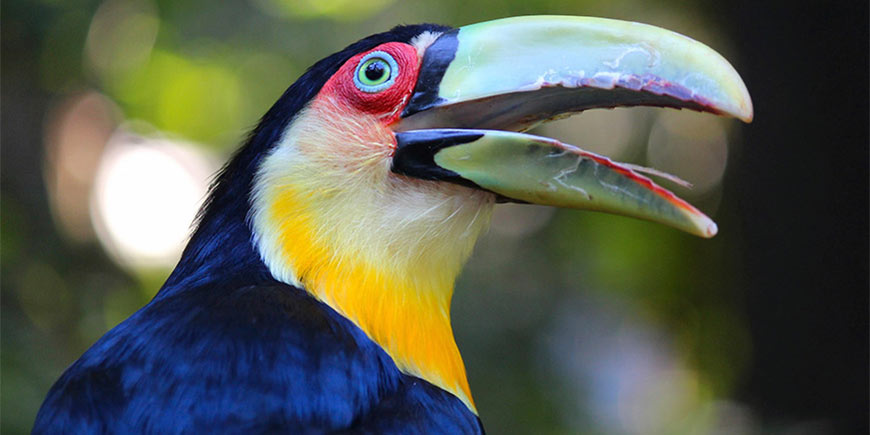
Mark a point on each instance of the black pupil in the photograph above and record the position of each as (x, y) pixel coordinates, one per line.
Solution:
(375, 71)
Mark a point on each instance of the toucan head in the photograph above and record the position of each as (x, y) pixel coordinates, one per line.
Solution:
(392, 153)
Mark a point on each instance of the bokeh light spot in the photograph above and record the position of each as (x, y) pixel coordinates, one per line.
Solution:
(121, 36)
(146, 196)
(690, 145)
(335, 9)
(198, 99)
(77, 130)
(603, 131)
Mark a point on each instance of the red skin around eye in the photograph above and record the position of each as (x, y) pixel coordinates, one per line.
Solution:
(386, 104)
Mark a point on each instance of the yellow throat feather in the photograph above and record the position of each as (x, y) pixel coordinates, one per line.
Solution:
(381, 249)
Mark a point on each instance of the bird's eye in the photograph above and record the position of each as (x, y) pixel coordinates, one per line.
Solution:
(376, 71)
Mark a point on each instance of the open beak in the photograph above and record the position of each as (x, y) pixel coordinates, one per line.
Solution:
(480, 85)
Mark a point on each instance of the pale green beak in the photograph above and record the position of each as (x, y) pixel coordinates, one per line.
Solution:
(514, 73)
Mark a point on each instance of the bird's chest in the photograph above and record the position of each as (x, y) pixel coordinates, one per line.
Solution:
(279, 359)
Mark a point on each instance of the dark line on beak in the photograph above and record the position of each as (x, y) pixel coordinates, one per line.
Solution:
(415, 154)
(437, 59)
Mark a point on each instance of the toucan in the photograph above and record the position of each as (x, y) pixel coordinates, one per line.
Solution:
(314, 293)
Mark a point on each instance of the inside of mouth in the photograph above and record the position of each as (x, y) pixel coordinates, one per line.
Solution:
(521, 111)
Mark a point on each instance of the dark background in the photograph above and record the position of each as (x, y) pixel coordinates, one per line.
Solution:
(802, 195)
(770, 318)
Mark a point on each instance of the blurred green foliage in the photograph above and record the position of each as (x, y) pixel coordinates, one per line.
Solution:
(205, 71)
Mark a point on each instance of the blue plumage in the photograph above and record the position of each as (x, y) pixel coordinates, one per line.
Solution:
(224, 347)
(244, 358)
